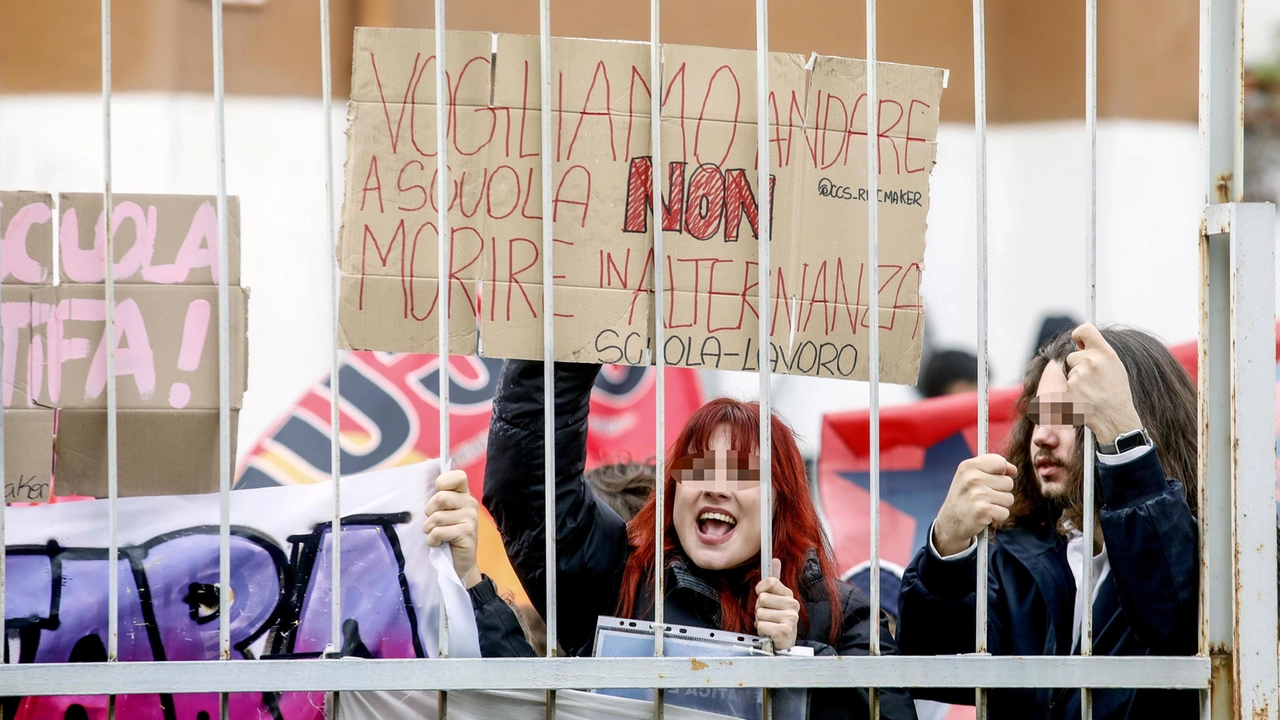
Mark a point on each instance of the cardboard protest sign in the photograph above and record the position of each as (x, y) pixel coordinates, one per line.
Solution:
(603, 209)
(26, 264)
(166, 270)
(28, 454)
(393, 586)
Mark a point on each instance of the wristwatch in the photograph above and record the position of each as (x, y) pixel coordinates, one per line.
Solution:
(1126, 441)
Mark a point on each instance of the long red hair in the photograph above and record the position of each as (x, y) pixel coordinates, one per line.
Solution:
(797, 532)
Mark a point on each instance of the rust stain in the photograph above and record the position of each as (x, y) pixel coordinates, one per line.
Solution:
(695, 664)
(1223, 187)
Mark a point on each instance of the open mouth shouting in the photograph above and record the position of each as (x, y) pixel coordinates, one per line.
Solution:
(715, 525)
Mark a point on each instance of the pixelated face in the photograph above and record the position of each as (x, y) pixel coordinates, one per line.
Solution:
(1053, 440)
(716, 511)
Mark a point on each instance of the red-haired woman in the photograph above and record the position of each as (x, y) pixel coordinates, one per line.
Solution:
(604, 567)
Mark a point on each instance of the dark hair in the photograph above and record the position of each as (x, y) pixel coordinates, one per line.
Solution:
(623, 486)
(1051, 328)
(797, 533)
(944, 369)
(1163, 395)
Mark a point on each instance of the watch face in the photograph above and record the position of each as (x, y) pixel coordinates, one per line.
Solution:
(1130, 441)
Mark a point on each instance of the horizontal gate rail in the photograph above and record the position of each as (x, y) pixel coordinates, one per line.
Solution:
(958, 671)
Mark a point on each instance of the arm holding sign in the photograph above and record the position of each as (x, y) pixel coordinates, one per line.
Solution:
(591, 540)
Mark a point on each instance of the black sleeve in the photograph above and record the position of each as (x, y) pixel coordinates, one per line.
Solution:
(937, 613)
(937, 605)
(855, 639)
(500, 632)
(1153, 545)
(591, 540)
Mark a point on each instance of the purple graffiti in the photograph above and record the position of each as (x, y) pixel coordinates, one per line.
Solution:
(372, 628)
(56, 609)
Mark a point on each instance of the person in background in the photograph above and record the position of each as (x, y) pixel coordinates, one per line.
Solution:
(624, 486)
(948, 372)
(1140, 404)
(1051, 327)
(712, 539)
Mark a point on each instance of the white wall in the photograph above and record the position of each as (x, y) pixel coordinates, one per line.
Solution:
(165, 144)
(1147, 217)
(1261, 31)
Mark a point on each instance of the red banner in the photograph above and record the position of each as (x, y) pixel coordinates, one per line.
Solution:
(390, 415)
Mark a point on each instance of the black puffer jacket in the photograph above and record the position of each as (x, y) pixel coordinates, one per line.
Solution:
(591, 540)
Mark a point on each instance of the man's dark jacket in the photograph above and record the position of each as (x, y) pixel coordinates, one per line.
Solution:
(1145, 606)
(592, 547)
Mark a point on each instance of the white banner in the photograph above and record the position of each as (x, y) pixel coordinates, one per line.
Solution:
(393, 586)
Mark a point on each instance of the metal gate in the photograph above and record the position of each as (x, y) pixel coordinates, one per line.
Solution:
(1236, 668)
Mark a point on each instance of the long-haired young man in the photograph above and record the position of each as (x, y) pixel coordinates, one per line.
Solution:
(1127, 388)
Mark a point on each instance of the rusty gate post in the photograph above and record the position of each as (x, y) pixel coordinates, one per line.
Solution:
(1237, 393)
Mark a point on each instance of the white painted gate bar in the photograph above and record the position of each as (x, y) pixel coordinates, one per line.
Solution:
(109, 295)
(548, 340)
(1091, 317)
(873, 339)
(764, 273)
(658, 351)
(960, 671)
(225, 460)
(984, 399)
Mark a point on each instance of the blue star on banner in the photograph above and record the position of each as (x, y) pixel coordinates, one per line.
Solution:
(919, 492)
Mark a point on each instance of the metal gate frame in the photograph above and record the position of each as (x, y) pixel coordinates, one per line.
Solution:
(1236, 668)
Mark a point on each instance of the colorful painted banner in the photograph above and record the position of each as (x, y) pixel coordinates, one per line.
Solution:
(391, 416)
(393, 585)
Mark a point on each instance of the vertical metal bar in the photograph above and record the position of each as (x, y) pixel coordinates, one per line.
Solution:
(659, 343)
(224, 356)
(1222, 161)
(1216, 566)
(762, 180)
(984, 430)
(1084, 593)
(766, 233)
(113, 487)
(113, 600)
(1253, 458)
(548, 337)
(873, 308)
(444, 256)
(335, 392)
(4, 649)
